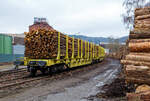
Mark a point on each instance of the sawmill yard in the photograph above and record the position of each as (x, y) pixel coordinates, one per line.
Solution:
(48, 64)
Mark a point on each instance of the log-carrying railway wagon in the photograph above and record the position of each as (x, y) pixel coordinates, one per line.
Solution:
(70, 52)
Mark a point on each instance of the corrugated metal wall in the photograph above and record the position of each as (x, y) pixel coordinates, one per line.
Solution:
(8, 52)
(5, 44)
(18, 49)
(6, 49)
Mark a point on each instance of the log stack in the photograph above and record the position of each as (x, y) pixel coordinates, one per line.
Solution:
(43, 44)
(137, 62)
(120, 53)
(142, 93)
(40, 25)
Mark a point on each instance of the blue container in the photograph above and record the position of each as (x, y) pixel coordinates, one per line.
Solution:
(9, 57)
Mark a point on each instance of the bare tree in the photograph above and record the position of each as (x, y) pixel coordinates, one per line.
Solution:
(128, 16)
(147, 4)
(110, 44)
(113, 45)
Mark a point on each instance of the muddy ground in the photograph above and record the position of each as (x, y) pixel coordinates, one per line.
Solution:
(83, 84)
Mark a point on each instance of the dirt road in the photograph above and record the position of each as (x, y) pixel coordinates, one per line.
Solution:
(78, 86)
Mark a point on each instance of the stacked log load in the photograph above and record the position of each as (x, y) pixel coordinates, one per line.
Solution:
(137, 62)
(142, 93)
(41, 25)
(43, 44)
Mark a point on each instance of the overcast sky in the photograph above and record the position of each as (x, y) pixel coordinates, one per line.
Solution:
(84, 17)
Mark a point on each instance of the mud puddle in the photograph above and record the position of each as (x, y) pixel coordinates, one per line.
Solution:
(84, 91)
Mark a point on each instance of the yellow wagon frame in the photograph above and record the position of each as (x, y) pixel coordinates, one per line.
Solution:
(73, 61)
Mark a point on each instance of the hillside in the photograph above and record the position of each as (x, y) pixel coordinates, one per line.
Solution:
(97, 40)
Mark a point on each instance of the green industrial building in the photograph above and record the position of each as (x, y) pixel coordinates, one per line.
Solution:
(6, 44)
(6, 48)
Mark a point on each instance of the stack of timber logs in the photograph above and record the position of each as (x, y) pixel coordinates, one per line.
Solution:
(120, 53)
(43, 44)
(137, 62)
(142, 93)
(40, 25)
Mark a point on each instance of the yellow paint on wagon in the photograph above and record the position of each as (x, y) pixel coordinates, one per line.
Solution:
(66, 47)
(72, 48)
(58, 54)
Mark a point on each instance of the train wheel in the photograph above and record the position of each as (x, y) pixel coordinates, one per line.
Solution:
(61, 67)
(49, 70)
(28, 68)
(57, 68)
(65, 67)
(33, 71)
(52, 70)
(43, 70)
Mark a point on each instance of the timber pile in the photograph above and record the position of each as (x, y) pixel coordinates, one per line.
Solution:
(120, 53)
(142, 93)
(137, 62)
(41, 25)
(43, 44)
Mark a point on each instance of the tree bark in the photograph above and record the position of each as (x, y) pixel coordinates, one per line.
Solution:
(136, 63)
(142, 11)
(142, 17)
(138, 58)
(139, 47)
(139, 34)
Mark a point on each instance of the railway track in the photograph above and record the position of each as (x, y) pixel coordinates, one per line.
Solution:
(16, 84)
(20, 80)
(16, 77)
(13, 78)
(2, 73)
(12, 75)
(27, 80)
